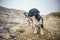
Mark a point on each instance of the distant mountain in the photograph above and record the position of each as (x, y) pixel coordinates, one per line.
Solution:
(55, 14)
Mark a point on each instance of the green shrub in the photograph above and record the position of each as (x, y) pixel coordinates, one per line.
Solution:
(21, 30)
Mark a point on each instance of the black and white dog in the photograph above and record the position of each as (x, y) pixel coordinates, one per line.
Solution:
(35, 12)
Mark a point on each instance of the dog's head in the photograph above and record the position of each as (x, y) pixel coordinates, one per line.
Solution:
(33, 12)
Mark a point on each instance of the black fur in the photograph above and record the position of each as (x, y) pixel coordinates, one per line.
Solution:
(38, 17)
(35, 12)
(42, 23)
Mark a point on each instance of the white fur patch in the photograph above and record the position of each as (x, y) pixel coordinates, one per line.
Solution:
(35, 30)
(41, 32)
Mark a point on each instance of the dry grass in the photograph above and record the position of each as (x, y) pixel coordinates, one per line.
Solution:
(51, 30)
(55, 14)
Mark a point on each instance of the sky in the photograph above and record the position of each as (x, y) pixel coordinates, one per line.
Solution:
(59, 5)
(44, 6)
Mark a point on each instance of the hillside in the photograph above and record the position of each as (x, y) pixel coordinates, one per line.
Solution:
(14, 26)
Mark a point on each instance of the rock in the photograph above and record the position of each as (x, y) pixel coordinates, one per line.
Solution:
(10, 22)
(4, 36)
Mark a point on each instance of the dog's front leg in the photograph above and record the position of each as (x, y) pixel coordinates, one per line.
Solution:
(35, 29)
(41, 27)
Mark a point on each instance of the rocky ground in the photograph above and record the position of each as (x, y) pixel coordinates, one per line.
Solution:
(14, 26)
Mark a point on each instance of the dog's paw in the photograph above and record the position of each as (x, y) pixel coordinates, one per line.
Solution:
(41, 32)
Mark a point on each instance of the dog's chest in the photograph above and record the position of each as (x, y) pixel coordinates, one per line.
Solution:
(34, 20)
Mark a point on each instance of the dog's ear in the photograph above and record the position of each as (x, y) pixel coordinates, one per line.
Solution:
(38, 17)
(24, 13)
